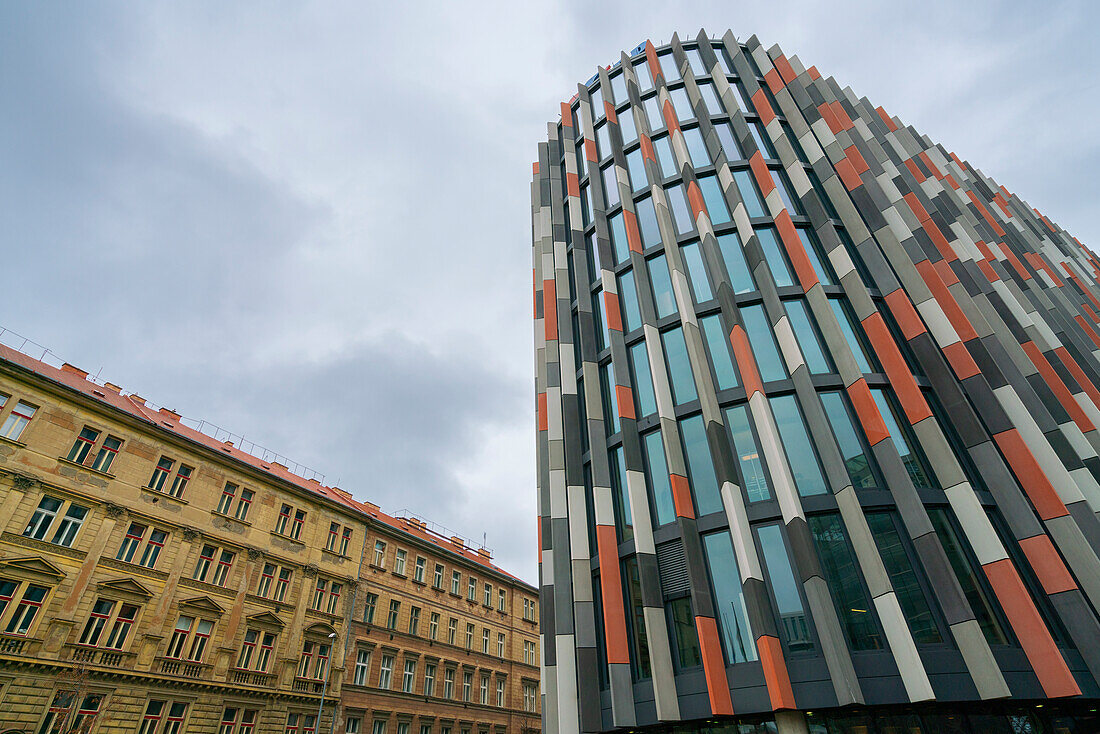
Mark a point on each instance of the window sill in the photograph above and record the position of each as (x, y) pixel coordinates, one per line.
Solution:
(341, 556)
(85, 467)
(157, 494)
(400, 575)
(287, 538)
(223, 516)
(376, 567)
(13, 442)
(419, 583)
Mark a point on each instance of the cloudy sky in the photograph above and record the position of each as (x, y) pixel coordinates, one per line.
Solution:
(309, 222)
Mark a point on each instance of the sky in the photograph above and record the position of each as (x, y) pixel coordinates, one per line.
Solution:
(309, 223)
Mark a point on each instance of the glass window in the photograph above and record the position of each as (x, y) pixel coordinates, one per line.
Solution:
(903, 577)
(679, 366)
(603, 141)
(610, 187)
(959, 557)
(789, 132)
(610, 398)
(681, 212)
(647, 222)
(733, 255)
(639, 652)
(847, 327)
(838, 563)
(762, 140)
(597, 103)
(586, 204)
(857, 461)
(729, 601)
(664, 156)
(704, 483)
(599, 316)
(697, 272)
(618, 88)
(663, 507)
(695, 59)
(592, 252)
(624, 522)
(729, 142)
(754, 479)
(661, 282)
(635, 165)
(773, 253)
(749, 194)
(628, 298)
(793, 623)
(619, 244)
(641, 71)
(742, 97)
(684, 637)
(762, 341)
(653, 114)
(714, 199)
(718, 346)
(710, 98)
(796, 442)
(724, 57)
(815, 182)
(697, 149)
(918, 469)
(668, 67)
(813, 252)
(804, 331)
(786, 193)
(643, 380)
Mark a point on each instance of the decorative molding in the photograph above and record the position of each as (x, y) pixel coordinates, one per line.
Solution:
(204, 586)
(24, 482)
(190, 534)
(254, 554)
(42, 545)
(115, 511)
(132, 568)
(310, 570)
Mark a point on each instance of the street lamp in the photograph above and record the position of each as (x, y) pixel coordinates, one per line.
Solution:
(324, 688)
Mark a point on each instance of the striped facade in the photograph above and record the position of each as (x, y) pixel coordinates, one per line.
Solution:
(817, 408)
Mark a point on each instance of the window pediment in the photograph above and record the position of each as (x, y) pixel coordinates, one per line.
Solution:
(202, 604)
(125, 587)
(32, 567)
(266, 620)
(320, 629)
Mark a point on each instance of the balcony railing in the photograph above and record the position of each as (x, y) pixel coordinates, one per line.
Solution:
(305, 685)
(182, 668)
(99, 656)
(15, 645)
(251, 678)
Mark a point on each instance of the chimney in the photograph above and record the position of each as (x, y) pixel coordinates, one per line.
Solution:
(458, 541)
(229, 444)
(136, 398)
(72, 368)
(112, 387)
(170, 413)
(281, 466)
(485, 553)
(372, 508)
(342, 492)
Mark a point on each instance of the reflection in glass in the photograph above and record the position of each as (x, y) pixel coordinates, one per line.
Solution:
(793, 624)
(754, 480)
(796, 442)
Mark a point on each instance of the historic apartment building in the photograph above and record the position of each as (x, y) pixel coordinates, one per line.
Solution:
(156, 580)
(817, 409)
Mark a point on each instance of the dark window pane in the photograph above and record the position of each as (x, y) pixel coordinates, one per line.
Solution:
(842, 575)
(806, 334)
(762, 141)
(813, 252)
(753, 204)
(704, 484)
(849, 329)
(684, 637)
(665, 157)
(679, 367)
(729, 602)
(786, 193)
(857, 461)
(793, 624)
(643, 380)
(593, 254)
(697, 272)
(733, 254)
(597, 103)
(647, 223)
(718, 346)
(714, 199)
(815, 182)
(663, 506)
(639, 653)
(918, 469)
(796, 442)
(661, 282)
(623, 520)
(903, 578)
(760, 331)
(610, 398)
(773, 253)
(754, 479)
(599, 315)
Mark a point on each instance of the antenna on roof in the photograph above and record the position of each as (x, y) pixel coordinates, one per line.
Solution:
(484, 540)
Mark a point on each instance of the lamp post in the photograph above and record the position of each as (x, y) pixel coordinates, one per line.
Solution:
(324, 688)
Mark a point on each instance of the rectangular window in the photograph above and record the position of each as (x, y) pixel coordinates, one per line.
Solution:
(391, 619)
(762, 140)
(620, 246)
(628, 300)
(319, 594)
(700, 466)
(857, 458)
(644, 397)
(83, 445)
(452, 630)
(793, 622)
(806, 334)
(618, 88)
(483, 691)
(793, 205)
(639, 644)
(635, 165)
(729, 601)
(919, 470)
(179, 482)
(153, 548)
(502, 599)
(333, 536)
(685, 639)
(773, 253)
(603, 142)
(653, 114)
(813, 252)
(610, 398)
(282, 584)
(851, 335)
(500, 692)
(467, 685)
(710, 99)
(661, 282)
(679, 366)
(733, 255)
(762, 340)
(488, 599)
(160, 473)
(469, 636)
(714, 199)
(841, 570)
(296, 526)
(754, 479)
(697, 147)
(379, 554)
(730, 146)
(903, 578)
(385, 673)
(681, 104)
(225, 503)
(500, 644)
(345, 540)
(647, 223)
(134, 537)
(433, 626)
(641, 73)
(749, 193)
(408, 677)
(414, 620)
(624, 521)
(107, 453)
(449, 683)
(362, 667)
(17, 420)
(437, 579)
(718, 349)
(679, 208)
(796, 443)
(429, 679)
(369, 607)
(399, 561)
(663, 507)
(418, 570)
(530, 697)
(697, 272)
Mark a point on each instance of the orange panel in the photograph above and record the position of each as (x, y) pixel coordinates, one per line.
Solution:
(984, 249)
(947, 301)
(827, 114)
(841, 115)
(1015, 262)
(930, 165)
(814, 73)
(918, 208)
(535, 168)
(611, 307)
(848, 175)
(775, 672)
(714, 666)
(1088, 330)
(566, 115)
(572, 185)
(590, 153)
(1035, 639)
(746, 365)
(760, 173)
(886, 119)
(985, 214)
(1079, 375)
(785, 69)
(807, 277)
(633, 237)
(939, 240)
(867, 411)
(951, 180)
(609, 112)
(763, 107)
(907, 317)
(773, 80)
(901, 379)
(681, 496)
(962, 364)
(1030, 475)
(543, 423)
(671, 121)
(853, 154)
(1051, 572)
(651, 59)
(947, 275)
(1051, 378)
(549, 310)
(625, 399)
(915, 170)
(695, 200)
(611, 592)
(647, 147)
(987, 269)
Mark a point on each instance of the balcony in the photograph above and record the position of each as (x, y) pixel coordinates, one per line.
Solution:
(251, 678)
(18, 645)
(182, 668)
(101, 657)
(306, 685)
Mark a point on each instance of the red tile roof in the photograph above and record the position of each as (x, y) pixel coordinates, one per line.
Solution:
(77, 380)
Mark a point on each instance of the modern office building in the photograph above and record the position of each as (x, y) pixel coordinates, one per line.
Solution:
(817, 405)
(156, 579)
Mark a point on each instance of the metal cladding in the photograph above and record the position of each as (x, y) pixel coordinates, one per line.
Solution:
(817, 408)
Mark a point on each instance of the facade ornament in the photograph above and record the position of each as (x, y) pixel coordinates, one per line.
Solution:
(190, 534)
(115, 511)
(310, 570)
(23, 482)
(255, 554)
